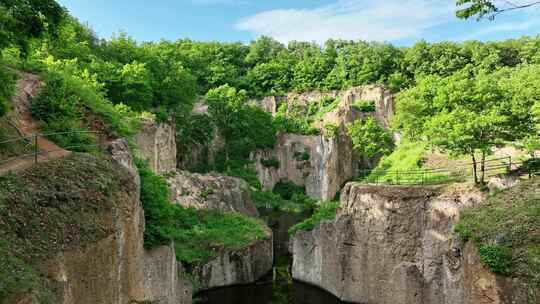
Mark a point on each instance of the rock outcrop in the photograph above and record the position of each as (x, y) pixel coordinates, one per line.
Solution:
(206, 191)
(235, 267)
(229, 194)
(157, 144)
(321, 163)
(211, 191)
(395, 245)
(383, 99)
(117, 269)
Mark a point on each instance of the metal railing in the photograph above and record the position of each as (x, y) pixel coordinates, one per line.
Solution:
(458, 173)
(29, 146)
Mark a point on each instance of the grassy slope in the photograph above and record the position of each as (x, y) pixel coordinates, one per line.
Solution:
(326, 211)
(506, 230)
(52, 207)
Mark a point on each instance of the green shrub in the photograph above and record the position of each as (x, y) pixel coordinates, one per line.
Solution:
(301, 156)
(497, 258)
(298, 203)
(365, 106)
(7, 88)
(72, 103)
(369, 139)
(326, 211)
(330, 130)
(267, 199)
(244, 171)
(287, 189)
(270, 163)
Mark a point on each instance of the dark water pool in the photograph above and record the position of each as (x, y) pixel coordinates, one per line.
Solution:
(266, 293)
(277, 287)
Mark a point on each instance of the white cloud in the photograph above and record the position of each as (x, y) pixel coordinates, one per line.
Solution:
(382, 20)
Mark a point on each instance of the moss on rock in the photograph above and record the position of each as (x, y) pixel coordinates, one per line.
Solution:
(53, 207)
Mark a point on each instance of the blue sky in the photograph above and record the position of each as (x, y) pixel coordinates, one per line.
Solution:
(398, 21)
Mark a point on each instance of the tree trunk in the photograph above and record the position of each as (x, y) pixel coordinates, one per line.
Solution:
(474, 168)
(227, 165)
(483, 167)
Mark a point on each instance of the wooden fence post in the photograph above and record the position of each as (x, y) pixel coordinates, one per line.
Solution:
(36, 149)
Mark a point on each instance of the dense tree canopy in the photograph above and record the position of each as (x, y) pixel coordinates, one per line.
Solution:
(23, 19)
(490, 86)
(468, 113)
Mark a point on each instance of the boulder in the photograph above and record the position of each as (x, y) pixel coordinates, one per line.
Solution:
(211, 191)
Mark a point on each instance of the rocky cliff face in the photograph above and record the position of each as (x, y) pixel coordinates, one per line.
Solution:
(383, 99)
(118, 269)
(395, 245)
(157, 145)
(211, 191)
(112, 267)
(321, 163)
(234, 267)
(229, 194)
(207, 191)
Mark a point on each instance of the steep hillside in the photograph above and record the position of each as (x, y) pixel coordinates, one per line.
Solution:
(506, 230)
(54, 207)
(72, 233)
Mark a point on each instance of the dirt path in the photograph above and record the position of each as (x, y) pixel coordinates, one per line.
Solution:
(20, 117)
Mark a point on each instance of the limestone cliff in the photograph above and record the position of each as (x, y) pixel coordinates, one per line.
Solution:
(96, 255)
(321, 163)
(157, 144)
(229, 194)
(211, 191)
(234, 267)
(208, 191)
(395, 245)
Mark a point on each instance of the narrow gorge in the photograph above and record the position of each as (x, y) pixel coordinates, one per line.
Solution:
(269, 170)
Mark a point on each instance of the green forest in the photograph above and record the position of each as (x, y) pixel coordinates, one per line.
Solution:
(490, 85)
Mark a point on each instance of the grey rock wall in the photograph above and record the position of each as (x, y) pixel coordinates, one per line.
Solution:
(331, 161)
(395, 245)
(236, 267)
(211, 191)
(117, 269)
(157, 144)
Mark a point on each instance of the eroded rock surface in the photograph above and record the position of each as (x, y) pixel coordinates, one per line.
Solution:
(234, 267)
(229, 194)
(157, 144)
(117, 269)
(395, 245)
(322, 163)
(211, 191)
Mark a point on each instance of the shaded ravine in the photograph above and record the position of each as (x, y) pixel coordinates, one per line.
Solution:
(276, 287)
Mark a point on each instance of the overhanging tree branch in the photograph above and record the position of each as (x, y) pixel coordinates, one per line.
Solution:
(487, 9)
